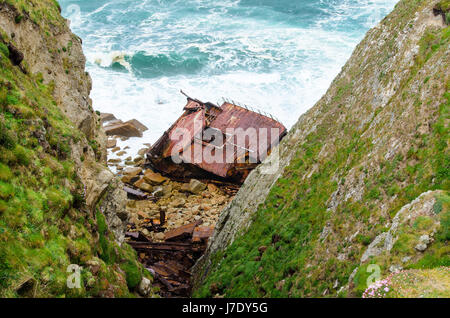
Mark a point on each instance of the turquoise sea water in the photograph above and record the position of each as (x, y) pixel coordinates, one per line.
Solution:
(276, 55)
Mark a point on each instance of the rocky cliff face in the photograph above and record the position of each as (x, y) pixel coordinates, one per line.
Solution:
(355, 175)
(59, 204)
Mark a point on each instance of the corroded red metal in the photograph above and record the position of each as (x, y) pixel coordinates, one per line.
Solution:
(199, 116)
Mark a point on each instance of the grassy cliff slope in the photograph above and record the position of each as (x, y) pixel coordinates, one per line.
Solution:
(48, 135)
(365, 187)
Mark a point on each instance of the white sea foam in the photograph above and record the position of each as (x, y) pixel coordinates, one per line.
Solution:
(262, 58)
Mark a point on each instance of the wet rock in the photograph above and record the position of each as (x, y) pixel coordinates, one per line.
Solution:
(142, 151)
(106, 117)
(136, 123)
(115, 149)
(137, 159)
(111, 143)
(123, 129)
(132, 171)
(121, 153)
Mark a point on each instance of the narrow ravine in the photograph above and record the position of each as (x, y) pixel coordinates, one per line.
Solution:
(170, 219)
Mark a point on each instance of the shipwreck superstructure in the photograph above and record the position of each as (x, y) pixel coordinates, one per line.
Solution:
(237, 137)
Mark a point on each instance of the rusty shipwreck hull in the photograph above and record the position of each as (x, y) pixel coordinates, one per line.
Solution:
(235, 138)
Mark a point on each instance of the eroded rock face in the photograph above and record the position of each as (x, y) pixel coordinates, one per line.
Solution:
(422, 206)
(72, 86)
(113, 206)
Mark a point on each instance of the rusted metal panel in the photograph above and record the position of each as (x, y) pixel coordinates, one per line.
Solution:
(181, 232)
(234, 149)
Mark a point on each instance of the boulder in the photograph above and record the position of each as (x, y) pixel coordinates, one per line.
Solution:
(194, 187)
(136, 123)
(111, 143)
(130, 173)
(106, 117)
(121, 153)
(123, 130)
(153, 178)
(134, 171)
(142, 151)
(115, 149)
(145, 287)
(144, 186)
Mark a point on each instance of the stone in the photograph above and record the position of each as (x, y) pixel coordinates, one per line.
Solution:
(212, 188)
(159, 236)
(136, 123)
(196, 186)
(154, 178)
(145, 287)
(116, 160)
(178, 203)
(158, 192)
(137, 159)
(123, 130)
(106, 117)
(111, 143)
(121, 153)
(406, 259)
(130, 175)
(425, 239)
(395, 268)
(142, 151)
(144, 186)
(132, 171)
(421, 247)
(115, 149)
